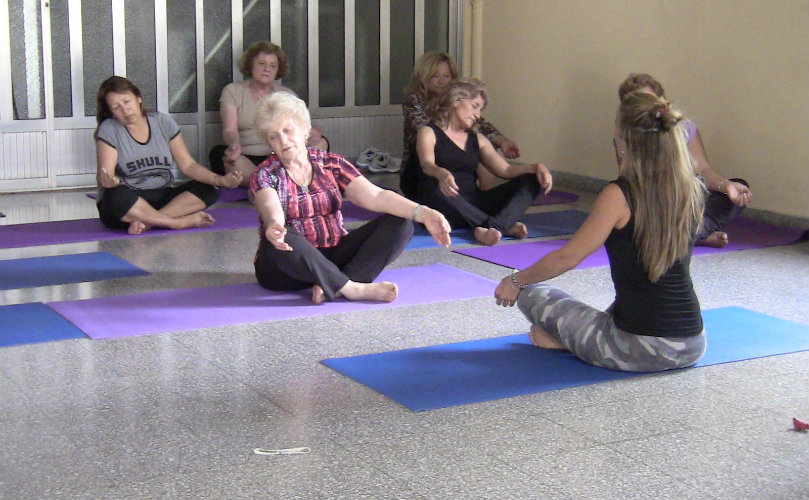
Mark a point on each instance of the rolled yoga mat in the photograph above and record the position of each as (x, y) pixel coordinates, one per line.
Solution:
(61, 269)
(439, 376)
(74, 231)
(744, 234)
(189, 309)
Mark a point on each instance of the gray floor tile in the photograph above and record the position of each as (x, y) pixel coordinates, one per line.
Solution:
(176, 415)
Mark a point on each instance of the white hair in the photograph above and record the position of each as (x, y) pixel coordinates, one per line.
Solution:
(277, 106)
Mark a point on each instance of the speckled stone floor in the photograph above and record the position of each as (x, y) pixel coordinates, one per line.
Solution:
(177, 415)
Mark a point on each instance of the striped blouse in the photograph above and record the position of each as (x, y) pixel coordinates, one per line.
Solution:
(314, 211)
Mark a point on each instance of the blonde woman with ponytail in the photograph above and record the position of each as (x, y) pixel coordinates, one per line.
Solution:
(647, 219)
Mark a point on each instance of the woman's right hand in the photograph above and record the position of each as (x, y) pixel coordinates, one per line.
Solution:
(233, 152)
(437, 226)
(446, 182)
(107, 179)
(276, 233)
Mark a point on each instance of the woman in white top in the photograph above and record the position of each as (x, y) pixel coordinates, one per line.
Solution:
(262, 64)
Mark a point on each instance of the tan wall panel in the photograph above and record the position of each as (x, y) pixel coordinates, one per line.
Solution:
(738, 68)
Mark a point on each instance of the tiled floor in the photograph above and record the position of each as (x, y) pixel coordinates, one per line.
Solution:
(177, 415)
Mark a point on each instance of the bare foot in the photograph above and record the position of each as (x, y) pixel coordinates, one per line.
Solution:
(383, 291)
(136, 227)
(318, 297)
(541, 339)
(197, 219)
(488, 237)
(518, 230)
(717, 239)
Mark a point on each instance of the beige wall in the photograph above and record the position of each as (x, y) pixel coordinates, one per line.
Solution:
(740, 69)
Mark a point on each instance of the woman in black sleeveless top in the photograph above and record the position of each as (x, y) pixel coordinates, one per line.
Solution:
(450, 150)
(647, 219)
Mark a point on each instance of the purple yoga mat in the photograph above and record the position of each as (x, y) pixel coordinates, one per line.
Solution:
(174, 310)
(228, 195)
(744, 234)
(352, 212)
(73, 231)
(555, 198)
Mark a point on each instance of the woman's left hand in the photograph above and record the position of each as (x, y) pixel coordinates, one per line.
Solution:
(544, 177)
(505, 293)
(438, 227)
(231, 180)
(739, 194)
(510, 149)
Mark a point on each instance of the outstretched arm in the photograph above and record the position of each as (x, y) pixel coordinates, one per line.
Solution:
(609, 211)
(425, 147)
(367, 195)
(498, 166)
(737, 192)
(269, 209)
(192, 169)
(107, 157)
(509, 147)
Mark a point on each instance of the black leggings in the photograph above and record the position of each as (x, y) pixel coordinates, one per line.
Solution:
(719, 212)
(498, 208)
(118, 201)
(359, 256)
(216, 158)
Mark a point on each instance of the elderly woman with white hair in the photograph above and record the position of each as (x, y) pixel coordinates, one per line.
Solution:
(298, 192)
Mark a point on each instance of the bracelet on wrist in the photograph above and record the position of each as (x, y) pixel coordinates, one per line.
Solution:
(719, 186)
(415, 213)
(515, 283)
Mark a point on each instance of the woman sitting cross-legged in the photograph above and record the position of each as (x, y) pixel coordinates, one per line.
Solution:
(146, 176)
(647, 219)
(298, 192)
(727, 197)
(450, 150)
(263, 64)
(432, 75)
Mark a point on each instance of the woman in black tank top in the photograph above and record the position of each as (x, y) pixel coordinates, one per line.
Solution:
(450, 150)
(647, 219)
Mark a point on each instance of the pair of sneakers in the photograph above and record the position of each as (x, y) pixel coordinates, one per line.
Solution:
(377, 161)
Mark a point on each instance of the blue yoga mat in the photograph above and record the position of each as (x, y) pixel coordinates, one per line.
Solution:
(482, 370)
(539, 224)
(34, 322)
(61, 269)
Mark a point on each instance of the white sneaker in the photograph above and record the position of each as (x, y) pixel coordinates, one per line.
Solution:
(366, 158)
(383, 162)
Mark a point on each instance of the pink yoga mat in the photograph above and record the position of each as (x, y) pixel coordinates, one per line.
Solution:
(73, 231)
(175, 310)
(744, 234)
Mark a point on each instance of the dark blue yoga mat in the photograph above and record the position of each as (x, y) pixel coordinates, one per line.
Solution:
(540, 224)
(34, 322)
(61, 269)
(482, 370)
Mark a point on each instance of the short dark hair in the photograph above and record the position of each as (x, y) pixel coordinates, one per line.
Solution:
(263, 47)
(117, 84)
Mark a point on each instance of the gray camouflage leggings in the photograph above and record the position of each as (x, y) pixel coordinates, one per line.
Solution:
(592, 336)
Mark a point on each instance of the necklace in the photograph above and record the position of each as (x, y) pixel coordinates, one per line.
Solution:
(303, 185)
